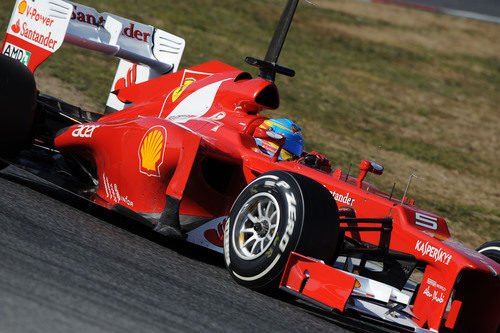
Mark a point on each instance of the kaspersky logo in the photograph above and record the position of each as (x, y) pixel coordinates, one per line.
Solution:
(151, 151)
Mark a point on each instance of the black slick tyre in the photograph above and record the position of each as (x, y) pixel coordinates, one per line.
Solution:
(491, 250)
(17, 105)
(3, 165)
(277, 213)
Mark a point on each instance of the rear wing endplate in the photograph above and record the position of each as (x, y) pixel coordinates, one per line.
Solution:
(38, 28)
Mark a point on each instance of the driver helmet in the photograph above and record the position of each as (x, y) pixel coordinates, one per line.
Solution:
(294, 143)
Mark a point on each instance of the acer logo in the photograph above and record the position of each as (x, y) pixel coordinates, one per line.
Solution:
(84, 131)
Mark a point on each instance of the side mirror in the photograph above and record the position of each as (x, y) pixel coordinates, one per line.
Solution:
(368, 166)
(273, 137)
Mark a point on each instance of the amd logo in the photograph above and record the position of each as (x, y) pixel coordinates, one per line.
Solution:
(17, 53)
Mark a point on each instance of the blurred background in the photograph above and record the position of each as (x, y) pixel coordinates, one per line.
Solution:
(408, 84)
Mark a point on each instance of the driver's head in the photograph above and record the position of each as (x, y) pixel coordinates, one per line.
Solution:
(294, 143)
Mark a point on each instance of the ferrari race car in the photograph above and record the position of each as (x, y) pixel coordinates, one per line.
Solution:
(176, 150)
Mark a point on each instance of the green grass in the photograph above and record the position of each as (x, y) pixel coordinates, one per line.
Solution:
(375, 81)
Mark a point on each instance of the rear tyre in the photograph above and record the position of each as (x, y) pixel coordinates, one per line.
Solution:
(3, 165)
(17, 105)
(491, 250)
(279, 212)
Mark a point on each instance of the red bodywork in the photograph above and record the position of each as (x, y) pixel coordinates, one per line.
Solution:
(189, 135)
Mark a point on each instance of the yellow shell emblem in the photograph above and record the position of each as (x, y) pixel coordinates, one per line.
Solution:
(179, 90)
(151, 151)
(22, 7)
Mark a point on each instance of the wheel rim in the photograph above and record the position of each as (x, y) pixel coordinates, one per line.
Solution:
(256, 226)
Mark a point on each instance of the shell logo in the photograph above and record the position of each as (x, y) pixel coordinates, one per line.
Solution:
(151, 151)
(22, 7)
(179, 90)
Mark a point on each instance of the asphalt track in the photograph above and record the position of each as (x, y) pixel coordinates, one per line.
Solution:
(486, 7)
(67, 266)
(482, 10)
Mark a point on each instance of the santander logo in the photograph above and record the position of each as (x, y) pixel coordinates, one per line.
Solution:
(93, 18)
(16, 27)
(127, 81)
(37, 26)
(216, 236)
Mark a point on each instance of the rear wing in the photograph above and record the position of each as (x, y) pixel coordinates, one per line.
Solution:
(38, 28)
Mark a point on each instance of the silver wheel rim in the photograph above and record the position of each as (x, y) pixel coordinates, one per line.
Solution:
(256, 226)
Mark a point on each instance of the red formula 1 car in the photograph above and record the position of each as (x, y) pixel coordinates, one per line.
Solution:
(177, 150)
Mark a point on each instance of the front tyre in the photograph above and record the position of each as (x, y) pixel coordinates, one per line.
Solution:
(491, 250)
(279, 212)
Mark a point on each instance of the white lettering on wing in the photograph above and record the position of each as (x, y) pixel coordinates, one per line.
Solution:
(343, 198)
(432, 252)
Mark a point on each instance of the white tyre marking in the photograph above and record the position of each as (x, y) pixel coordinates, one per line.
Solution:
(264, 272)
(489, 248)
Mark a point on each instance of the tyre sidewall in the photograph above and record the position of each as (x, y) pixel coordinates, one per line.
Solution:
(269, 266)
(491, 250)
